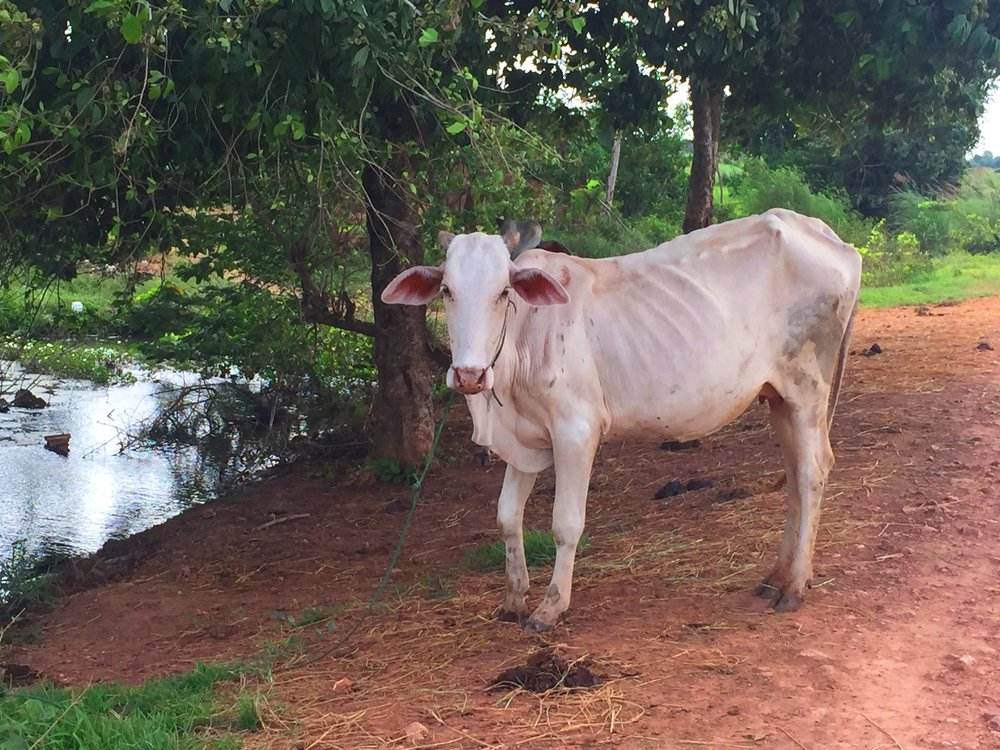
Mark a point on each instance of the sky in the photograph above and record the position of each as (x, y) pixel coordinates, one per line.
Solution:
(989, 125)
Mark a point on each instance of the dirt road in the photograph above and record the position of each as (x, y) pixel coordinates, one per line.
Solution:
(897, 646)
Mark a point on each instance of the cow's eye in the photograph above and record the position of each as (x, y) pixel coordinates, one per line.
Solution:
(445, 292)
(504, 295)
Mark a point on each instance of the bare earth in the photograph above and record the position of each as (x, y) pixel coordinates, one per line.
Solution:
(897, 647)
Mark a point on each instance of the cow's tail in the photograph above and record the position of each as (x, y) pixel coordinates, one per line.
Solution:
(838, 375)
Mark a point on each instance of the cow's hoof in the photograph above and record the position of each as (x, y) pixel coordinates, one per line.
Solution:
(766, 590)
(507, 615)
(534, 625)
(788, 602)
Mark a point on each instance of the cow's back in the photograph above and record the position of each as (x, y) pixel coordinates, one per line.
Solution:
(676, 341)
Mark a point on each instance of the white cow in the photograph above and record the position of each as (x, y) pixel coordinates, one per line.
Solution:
(557, 353)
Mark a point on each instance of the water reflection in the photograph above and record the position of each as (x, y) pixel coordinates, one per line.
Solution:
(74, 504)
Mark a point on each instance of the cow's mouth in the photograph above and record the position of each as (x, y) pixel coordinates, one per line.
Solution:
(470, 380)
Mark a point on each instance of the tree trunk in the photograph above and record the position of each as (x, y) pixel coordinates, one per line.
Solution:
(403, 411)
(616, 153)
(706, 100)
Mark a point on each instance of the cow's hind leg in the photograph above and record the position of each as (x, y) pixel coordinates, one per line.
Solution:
(510, 517)
(573, 451)
(781, 421)
(813, 459)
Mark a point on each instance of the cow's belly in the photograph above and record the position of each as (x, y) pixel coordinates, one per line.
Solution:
(670, 419)
(688, 405)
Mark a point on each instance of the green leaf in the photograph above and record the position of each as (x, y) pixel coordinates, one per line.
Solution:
(456, 127)
(476, 3)
(578, 23)
(845, 19)
(10, 79)
(132, 28)
(428, 37)
(959, 28)
(865, 59)
(98, 5)
(882, 68)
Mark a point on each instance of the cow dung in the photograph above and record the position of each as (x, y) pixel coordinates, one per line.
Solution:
(546, 670)
(680, 445)
(674, 488)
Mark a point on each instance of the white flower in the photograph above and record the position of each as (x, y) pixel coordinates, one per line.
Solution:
(77, 307)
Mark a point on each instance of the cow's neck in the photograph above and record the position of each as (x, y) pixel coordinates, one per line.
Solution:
(485, 407)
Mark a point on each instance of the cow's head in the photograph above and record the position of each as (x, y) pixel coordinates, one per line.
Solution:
(476, 281)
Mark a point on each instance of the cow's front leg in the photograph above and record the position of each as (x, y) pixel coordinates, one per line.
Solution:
(510, 517)
(573, 452)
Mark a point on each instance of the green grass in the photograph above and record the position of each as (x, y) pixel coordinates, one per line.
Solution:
(176, 713)
(49, 309)
(103, 363)
(539, 549)
(954, 277)
(21, 585)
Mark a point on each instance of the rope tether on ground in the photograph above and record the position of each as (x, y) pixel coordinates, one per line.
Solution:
(417, 486)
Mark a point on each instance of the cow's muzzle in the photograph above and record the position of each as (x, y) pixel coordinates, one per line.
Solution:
(471, 380)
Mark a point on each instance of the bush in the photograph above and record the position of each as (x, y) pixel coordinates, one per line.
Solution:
(20, 583)
(102, 363)
(601, 236)
(931, 221)
(656, 230)
(761, 188)
(891, 259)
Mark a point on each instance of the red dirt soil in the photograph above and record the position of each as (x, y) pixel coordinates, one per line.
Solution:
(896, 646)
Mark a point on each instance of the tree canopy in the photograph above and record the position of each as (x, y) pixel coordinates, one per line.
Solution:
(292, 141)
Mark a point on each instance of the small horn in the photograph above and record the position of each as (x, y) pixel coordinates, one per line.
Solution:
(445, 238)
(520, 236)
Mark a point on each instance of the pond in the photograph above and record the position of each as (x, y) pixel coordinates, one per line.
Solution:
(73, 504)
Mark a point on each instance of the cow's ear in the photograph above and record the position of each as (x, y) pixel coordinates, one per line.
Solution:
(414, 286)
(538, 288)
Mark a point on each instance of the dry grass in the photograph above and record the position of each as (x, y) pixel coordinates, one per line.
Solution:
(423, 653)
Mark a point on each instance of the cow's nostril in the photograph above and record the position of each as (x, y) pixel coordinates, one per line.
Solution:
(470, 379)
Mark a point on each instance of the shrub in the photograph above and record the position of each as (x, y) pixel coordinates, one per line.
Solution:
(20, 583)
(762, 188)
(932, 222)
(891, 259)
(102, 363)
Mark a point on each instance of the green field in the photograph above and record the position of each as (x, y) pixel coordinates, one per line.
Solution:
(954, 277)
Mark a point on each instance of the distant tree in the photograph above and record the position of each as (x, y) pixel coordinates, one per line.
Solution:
(869, 162)
(887, 64)
(986, 159)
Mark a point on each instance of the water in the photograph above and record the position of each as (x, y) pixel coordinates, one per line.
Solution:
(74, 504)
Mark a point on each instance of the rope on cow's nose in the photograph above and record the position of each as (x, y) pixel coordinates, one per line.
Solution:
(503, 338)
(418, 484)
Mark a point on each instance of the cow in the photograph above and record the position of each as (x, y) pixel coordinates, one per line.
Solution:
(556, 354)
